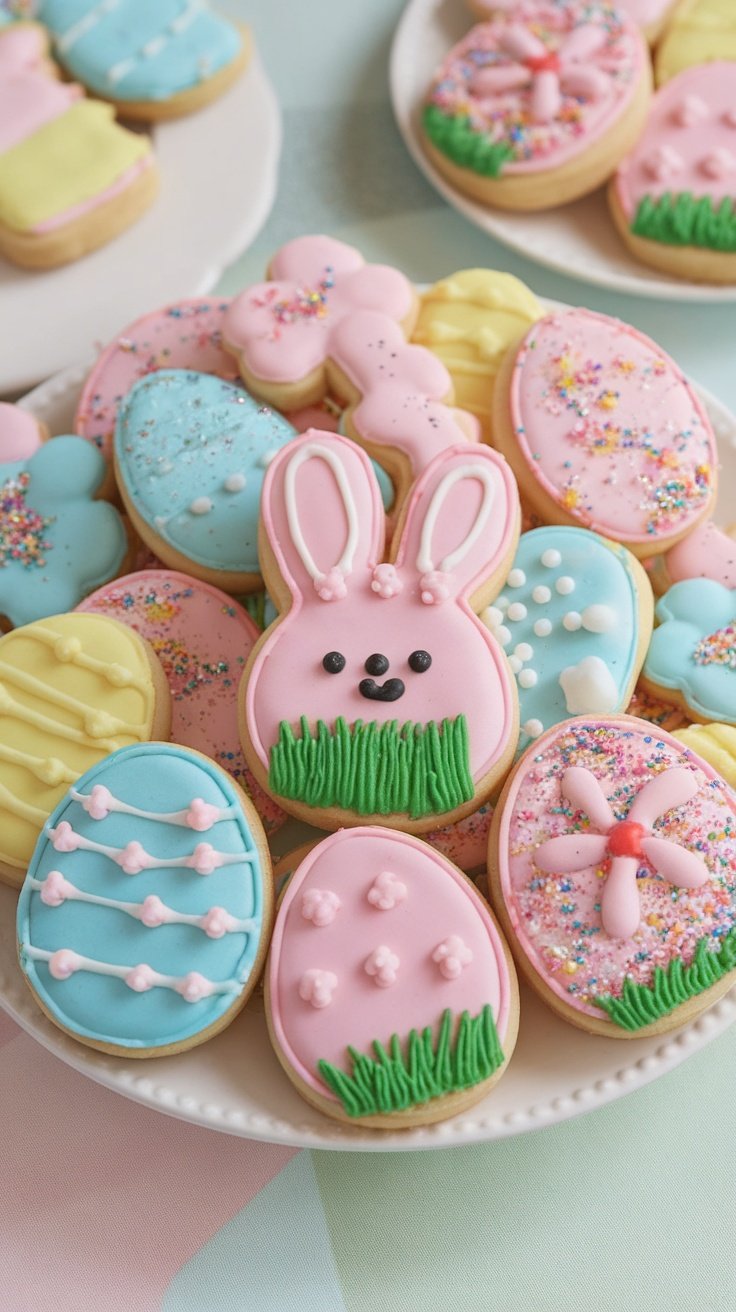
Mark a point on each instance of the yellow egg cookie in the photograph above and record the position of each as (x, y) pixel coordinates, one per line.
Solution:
(701, 30)
(716, 743)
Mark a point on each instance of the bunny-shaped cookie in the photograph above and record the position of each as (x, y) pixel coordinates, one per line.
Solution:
(377, 694)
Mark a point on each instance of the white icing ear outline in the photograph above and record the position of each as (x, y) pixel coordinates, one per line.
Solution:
(434, 577)
(328, 586)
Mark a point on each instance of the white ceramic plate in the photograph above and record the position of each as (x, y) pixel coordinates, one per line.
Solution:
(235, 1084)
(218, 171)
(578, 239)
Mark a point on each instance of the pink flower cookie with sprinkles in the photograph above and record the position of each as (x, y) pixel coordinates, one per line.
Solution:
(378, 695)
(673, 198)
(280, 331)
(391, 996)
(612, 864)
(603, 430)
(539, 105)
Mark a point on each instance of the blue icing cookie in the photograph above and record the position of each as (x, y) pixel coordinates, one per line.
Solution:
(191, 451)
(147, 905)
(146, 50)
(573, 619)
(693, 651)
(57, 544)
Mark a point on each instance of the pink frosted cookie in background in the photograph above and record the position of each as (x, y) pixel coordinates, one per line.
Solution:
(673, 198)
(203, 639)
(539, 105)
(391, 996)
(662, 714)
(603, 430)
(466, 842)
(651, 15)
(709, 552)
(20, 433)
(612, 865)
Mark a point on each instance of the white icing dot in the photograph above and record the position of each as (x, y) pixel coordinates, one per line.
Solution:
(492, 616)
(551, 558)
(515, 664)
(268, 456)
(541, 594)
(524, 651)
(502, 602)
(565, 585)
(502, 635)
(533, 728)
(234, 483)
(589, 687)
(572, 621)
(598, 619)
(543, 628)
(516, 579)
(516, 611)
(527, 678)
(200, 505)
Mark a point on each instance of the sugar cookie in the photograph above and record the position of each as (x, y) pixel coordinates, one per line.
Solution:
(716, 744)
(650, 15)
(700, 31)
(709, 552)
(692, 655)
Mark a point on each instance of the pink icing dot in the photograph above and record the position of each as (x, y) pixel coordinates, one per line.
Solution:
(99, 802)
(153, 911)
(201, 815)
(55, 889)
(140, 978)
(317, 987)
(717, 163)
(691, 110)
(331, 586)
(434, 587)
(382, 965)
(320, 905)
(386, 891)
(193, 987)
(133, 858)
(63, 963)
(204, 859)
(64, 838)
(216, 922)
(452, 956)
(386, 582)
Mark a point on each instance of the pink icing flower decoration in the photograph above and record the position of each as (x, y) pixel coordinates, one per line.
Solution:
(452, 956)
(317, 987)
(201, 815)
(386, 582)
(549, 73)
(386, 891)
(382, 966)
(331, 586)
(217, 922)
(663, 161)
(204, 859)
(133, 858)
(434, 587)
(193, 987)
(140, 978)
(63, 963)
(320, 905)
(625, 843)
(691, 110)
(99, 802)
(56, 889)
(64, 838)
(718, 163)
(153, 911)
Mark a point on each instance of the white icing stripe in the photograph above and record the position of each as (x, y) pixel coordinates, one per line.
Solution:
(163, 817)
(425, 562)
(85, 24)
(133, 858)
(118, 71)
(152, 913)
(313, 450)
(153, 979)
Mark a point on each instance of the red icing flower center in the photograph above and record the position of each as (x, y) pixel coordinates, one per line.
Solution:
(548, 63)
(625, 839)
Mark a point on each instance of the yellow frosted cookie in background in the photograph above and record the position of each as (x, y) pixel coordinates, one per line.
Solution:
(469, 320)
(716, 743)
(700, 30)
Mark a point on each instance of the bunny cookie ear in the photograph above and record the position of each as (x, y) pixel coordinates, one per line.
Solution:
(323, 516)
(461, 525)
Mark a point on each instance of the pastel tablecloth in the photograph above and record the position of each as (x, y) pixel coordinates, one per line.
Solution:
(110, 1206)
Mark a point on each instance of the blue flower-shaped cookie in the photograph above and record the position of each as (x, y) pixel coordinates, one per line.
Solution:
(693, 652)
(57, 544)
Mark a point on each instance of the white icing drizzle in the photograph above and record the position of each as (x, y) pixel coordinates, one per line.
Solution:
(177, 983)
(118, 71)
(315, 451)
(163, 817)
(67, 39)
(161, 915)
(425, 561)
(134, 855)
(200, 506)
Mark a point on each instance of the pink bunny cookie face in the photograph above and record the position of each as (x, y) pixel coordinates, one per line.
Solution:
(613, 864)
(280, 330)
(602, 429)
(378, 940)
(378, 693)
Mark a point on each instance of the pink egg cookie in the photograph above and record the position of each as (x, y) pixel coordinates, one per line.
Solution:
(21, 434)
(709, 552)
(673, 197)
(613, 869)
(466, 842)
(602, 429)
(377, 693)
(537, 106)
(391, 996)
(203, 639)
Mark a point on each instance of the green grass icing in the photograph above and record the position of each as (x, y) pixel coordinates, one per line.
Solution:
(403, 1077)
(683, 220)
(374, 769)
(643, 1004)
(471, 150)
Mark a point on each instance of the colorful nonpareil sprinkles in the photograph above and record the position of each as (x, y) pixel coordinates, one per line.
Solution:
(22, 529)
(718, 648)
(303, 304)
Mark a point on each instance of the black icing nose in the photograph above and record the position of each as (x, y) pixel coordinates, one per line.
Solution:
(390, 691)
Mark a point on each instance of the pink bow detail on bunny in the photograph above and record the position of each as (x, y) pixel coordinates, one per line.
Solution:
(547, 72)
(626, 843)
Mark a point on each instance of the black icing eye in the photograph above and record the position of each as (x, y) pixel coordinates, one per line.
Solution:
(376, 664)
(419, 661)
(333, 662)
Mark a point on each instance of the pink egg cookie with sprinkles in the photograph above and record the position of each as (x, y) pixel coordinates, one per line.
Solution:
(539, 105)
(650, 15)
(202, 639)
(391, 996)
(612, 864)
(603, 430)
(673, 198)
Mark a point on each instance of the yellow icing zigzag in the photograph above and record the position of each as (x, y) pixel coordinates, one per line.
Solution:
(716, 743)
(700, 30)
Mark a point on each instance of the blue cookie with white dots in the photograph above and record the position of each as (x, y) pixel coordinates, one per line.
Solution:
(575, 619)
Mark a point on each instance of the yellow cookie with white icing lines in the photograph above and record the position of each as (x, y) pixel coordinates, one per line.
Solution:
(716, 743)
(73, 688)
(469, 320)
(700, 31)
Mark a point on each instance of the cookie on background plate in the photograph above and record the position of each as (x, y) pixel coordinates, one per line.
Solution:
(691, 660)
(709, 552)
(700, 31)
(716, 743)
(145, 915)
(391, 996)
(651, 15)
(612, 868)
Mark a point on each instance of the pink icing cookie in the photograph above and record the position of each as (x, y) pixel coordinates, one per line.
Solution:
(20, 433)
(649, 14)
(602, 429)
(202, 639)
(280, 330)
(378, 692)
(613, 865)
(709, 552)
(466, 842)
(379, 940)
